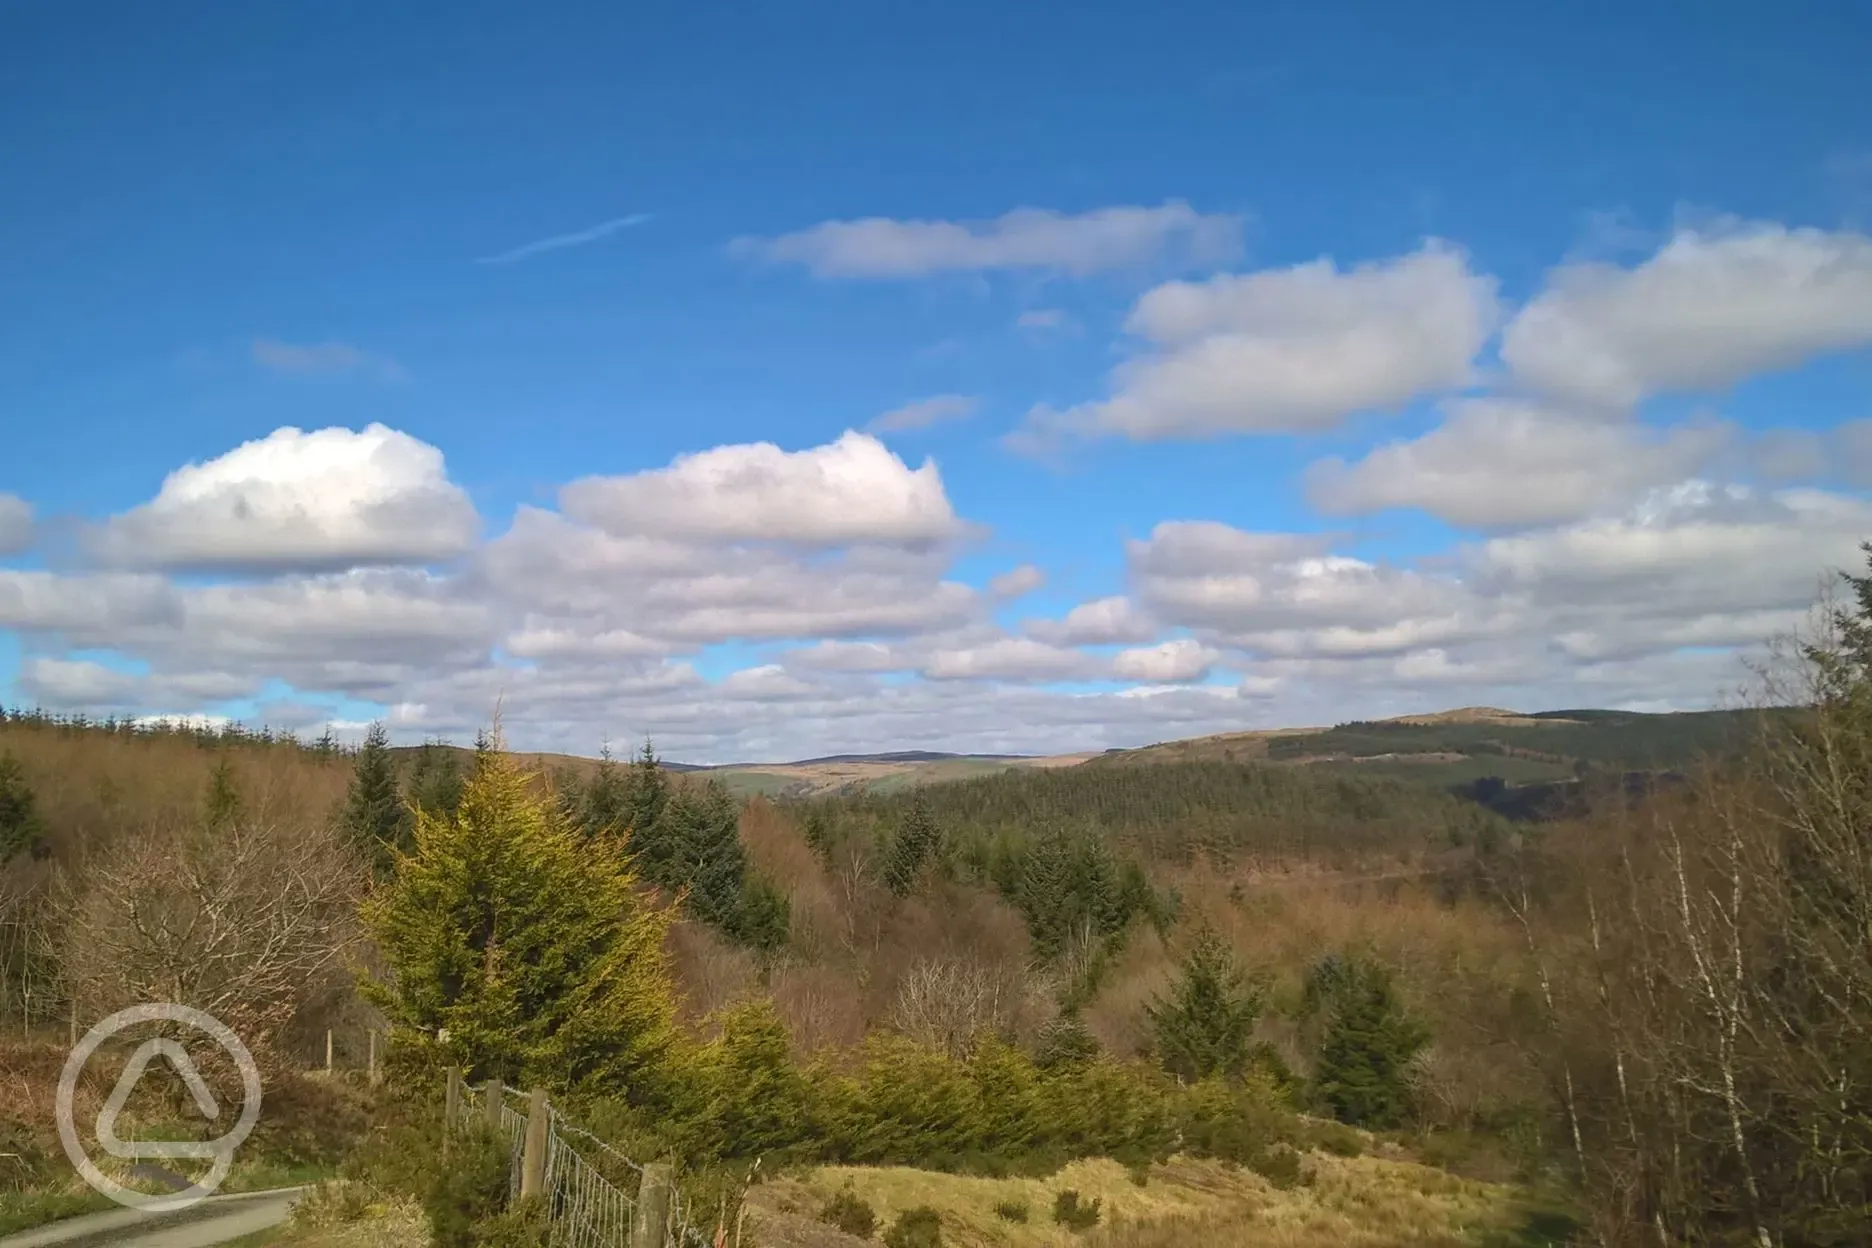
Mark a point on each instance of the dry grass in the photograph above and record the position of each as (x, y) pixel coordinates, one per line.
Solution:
(339, 1215)
(1341, 1202)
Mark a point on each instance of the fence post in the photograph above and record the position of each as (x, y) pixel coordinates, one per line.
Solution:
(371, 1067)
(533, 1151)
(650, 1223)
(451, 1101)
(493, 1106)
(451, 1108)
(328, 1052)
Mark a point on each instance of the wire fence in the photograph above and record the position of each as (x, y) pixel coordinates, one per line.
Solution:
(592, 1191)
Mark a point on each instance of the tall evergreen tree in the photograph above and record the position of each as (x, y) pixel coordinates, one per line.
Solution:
(1363, 1071)
(646, 793)
(435, 780)
(1206, 1025)
(605, 803)
(539, 957)
(375, 814)
(20, 828)
(917, 841)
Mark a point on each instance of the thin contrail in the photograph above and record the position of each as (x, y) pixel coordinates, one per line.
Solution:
(577, 239)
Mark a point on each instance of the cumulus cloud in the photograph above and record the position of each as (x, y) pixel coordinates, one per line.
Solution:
(332, 498)
(1709, 309)
(1500, 463)
(1278, 593)
(324, 359)
(926, 412)
(1103, 621)
(1181, 661)
(850, 491)
(1027, 238)
(1009, 658)
(16, 524)
(1288, 350)
(1017, 582)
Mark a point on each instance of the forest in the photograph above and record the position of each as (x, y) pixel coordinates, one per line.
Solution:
(1643, 1018)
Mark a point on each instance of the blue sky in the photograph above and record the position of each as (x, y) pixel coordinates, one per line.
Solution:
(1348, 359)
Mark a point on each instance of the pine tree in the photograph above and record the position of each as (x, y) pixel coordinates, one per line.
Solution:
(541, 958)
(374, 813)
(917, 841)
(1205, 1026)
(1363, 1072)
(20, 828)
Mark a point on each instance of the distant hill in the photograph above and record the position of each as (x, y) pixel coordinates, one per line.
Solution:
(1459, 749)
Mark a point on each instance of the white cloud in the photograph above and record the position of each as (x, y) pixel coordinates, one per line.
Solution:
(850, 491)
(1017, 582)
(324, 358)
(1278, 593)
(1503, 463)
(1009, 658)
(1289, 350)
(1103, 621)
(1691, 549)
(848, 656)
(1181, 661)
(926, 412)
(293, 500)
(1027, 238)
(16, 524)
(769, 682)
(1709, 309)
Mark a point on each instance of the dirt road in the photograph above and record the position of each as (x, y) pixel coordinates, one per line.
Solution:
(214, 1221)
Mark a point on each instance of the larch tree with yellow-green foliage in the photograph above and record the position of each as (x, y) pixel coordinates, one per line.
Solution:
(523, 948)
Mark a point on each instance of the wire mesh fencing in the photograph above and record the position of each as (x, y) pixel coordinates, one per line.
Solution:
(595, 1196)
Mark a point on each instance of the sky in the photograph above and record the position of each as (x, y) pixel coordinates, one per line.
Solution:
(774, 381)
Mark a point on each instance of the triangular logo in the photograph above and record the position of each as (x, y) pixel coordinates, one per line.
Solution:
(179, 1060)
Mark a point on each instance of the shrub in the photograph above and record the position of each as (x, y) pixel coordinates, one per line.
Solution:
(920, 1227)
(468, 1192)
(1279, 1165)
(1011, 1211)
(1071, 1214)
(1340, 1141)
(851, 1213)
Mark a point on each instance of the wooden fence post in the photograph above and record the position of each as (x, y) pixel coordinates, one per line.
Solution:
(650, 1223)
(451, 1107)
(533, 1151)
(493, 1106)
(371, 1066)
(328, 1052)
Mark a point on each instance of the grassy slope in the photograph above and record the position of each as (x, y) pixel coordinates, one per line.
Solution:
(1340, 1202)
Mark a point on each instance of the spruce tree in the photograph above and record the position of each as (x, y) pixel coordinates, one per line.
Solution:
(20, 828)
(541, 958)
(435, 780)
(1205, 1027)
(604, 805)
(374, 813)
(917, 841)
(1363, 1072)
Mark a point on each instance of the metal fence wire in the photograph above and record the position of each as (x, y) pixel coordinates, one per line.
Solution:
(586, 1180)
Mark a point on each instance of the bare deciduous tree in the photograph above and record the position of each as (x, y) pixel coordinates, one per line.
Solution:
(251, 921)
